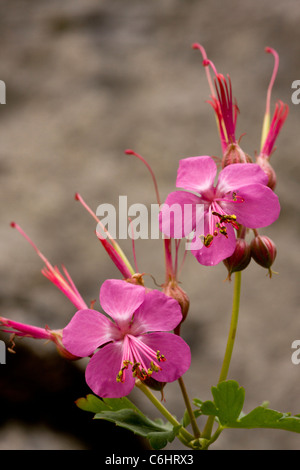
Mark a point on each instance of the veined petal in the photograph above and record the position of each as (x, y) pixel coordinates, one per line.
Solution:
(86, 331)
(102, 370)
(119, 299)
(180, 214)
(221, 247)
(233, 177)
(176, 352)
(196, 173)
(158, 312)
(260, 206)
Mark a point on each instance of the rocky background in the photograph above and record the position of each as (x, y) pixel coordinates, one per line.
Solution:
(86, 80)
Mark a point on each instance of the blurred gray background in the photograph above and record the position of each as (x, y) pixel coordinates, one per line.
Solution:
(86, 80)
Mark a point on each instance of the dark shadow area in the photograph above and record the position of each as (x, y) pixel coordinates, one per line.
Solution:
(38, 390)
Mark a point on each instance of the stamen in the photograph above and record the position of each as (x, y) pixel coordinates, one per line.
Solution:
(160, 357)
(133, 350)
(121, 374)
(235, 198)
(227, 218)
(207, 240)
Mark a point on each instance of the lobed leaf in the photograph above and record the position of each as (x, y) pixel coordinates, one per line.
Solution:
(227, 408)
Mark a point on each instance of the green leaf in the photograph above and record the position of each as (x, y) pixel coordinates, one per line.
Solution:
(229, 400)
(120, 404)
(227, 408)
(96, 405)
(158, 434)
(197, 402)
(91, 403)
(125, 414)
(262, 417)
(209, 408)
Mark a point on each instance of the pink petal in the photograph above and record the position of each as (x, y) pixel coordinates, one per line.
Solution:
(196, 173)
(176, 352)
(119, 299)
(260, 207)
(157, 313)
(234, 176)
(87, 330)
(180, 214)
(221, 248)
(102, 370)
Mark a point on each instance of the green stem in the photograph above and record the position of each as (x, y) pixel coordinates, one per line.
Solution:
(184, 436)
(193, 421)
(229, 347)
(213, 438)
(233, 326)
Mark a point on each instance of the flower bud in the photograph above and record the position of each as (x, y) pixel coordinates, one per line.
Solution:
(263, 251)
(155, 385)
(234, 154)
(264, 163)
(240, 258)
(173, 290)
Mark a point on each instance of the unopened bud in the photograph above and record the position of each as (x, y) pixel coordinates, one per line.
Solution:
(173, 290)
(155, 385)
(240, 258)
(264, 163)
(234, 154)
(263, 251)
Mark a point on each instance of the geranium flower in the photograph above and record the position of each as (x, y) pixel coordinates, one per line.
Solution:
(134, 341)
(239, 197)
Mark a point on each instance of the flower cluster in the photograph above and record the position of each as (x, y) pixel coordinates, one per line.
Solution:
(243, 197)
(137, 338)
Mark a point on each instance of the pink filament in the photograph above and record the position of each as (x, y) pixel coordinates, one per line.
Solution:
(133, 352)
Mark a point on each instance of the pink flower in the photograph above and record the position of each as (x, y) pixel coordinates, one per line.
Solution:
(134, 340)
(239, 197)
